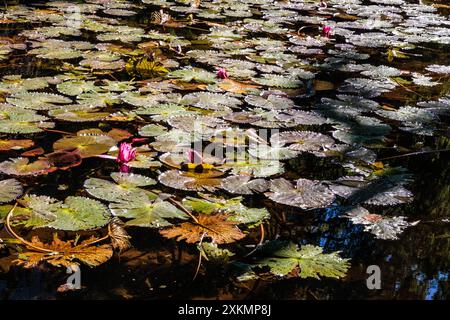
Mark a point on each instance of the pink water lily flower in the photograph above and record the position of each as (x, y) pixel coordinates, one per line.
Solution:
(326, 31)
(126, 154)
(222, 73)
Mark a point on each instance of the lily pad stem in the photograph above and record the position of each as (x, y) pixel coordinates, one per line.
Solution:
(15, 235)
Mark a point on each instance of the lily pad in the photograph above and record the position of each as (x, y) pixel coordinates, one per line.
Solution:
(23, 167)
(144, 213)
(191, 181)
(10, 190)
(307, 194)
(285, 257)
(126, 188)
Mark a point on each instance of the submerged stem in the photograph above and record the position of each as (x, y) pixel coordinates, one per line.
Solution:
(15, 235)
(414, 153)
(261, 240)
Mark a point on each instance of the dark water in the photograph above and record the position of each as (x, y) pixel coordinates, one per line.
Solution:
(414, 267)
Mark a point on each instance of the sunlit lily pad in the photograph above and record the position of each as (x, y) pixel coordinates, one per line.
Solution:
(275, 152)
(244, 164)
(213, 101)
(78, 114)
(193, 74)
(74, 88)
(126, 188)
(23, 167)
(233, 207)
(191, 181)
(283, 258)
(16, 120)
(302, 140)
(386, 228)
(87, 146)
(271, 102)
(74, 214)
(144, 213)
(10, 190)
(6, 145)
(272, 80)
(306, 194)
(38, 100)
(244, 185)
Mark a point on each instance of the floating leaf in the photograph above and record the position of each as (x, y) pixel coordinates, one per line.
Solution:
(271, 102)
(16, 120)
(189, 74)
(87, 146)
(37, 100)
(214, 254)
(273, 80)
(78, 114)
(10, 190)
(307, 194)
(284, 257)
(275, 152)
(243, 164)
(233, 207)
(65, 253)
(212, 101)
(6, 145)
(145, 68)
(216, 226)
(386, 228)
(64, 159)
(236, 87)
(144, 213)
(191, 181)
(302, 140)
(74, 214)
(75, 88)
(23, 167)
(244, 185)
(377, 192)
(125, 188)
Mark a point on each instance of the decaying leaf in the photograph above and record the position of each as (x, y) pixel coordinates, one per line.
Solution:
(61, 253)
(120, 239)
(214, 226)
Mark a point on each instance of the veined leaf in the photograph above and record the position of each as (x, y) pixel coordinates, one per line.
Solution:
(284, 257)
(65, 253)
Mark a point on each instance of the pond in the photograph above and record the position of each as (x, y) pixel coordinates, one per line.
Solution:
(190, 149)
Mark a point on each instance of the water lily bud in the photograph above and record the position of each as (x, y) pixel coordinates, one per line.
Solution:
(126, 153)
(222, 73)
(326, 31)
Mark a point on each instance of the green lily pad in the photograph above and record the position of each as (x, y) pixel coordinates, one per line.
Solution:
(126, 188)
(145, 213)
(74, 214)
(190, 74)
(10, 190)
(307, 194)
(37, 100)
(284, 257)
